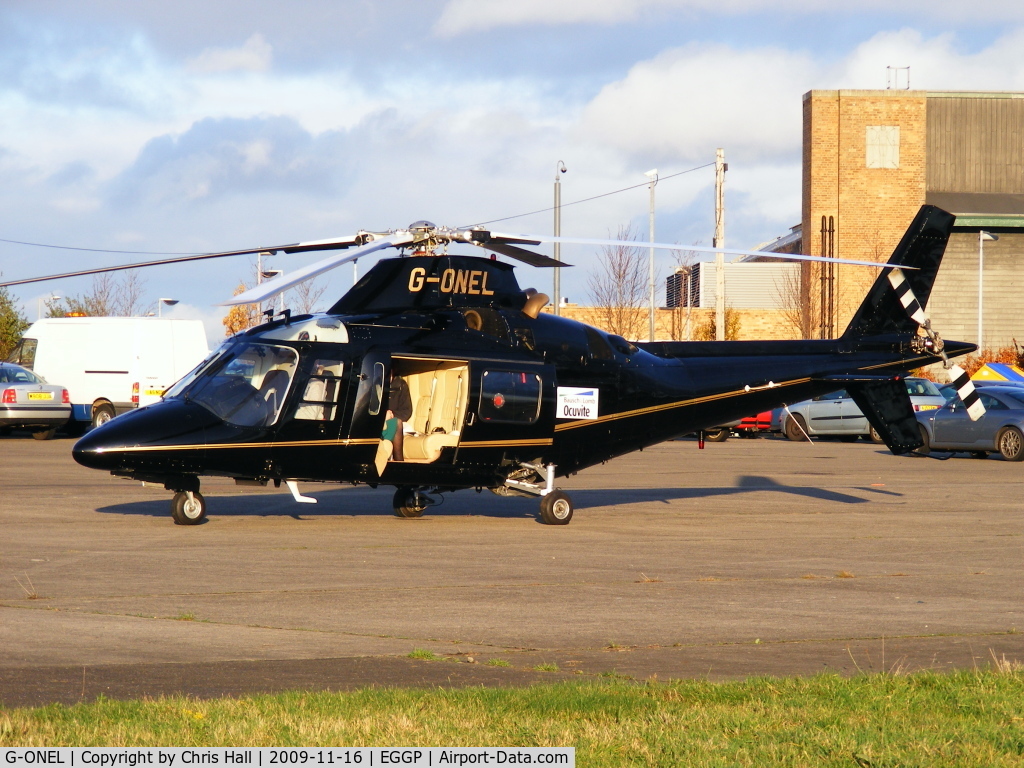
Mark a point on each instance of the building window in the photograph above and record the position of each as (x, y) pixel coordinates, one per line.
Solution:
(883, 146)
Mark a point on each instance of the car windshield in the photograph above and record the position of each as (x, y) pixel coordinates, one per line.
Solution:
(12, 374)
(922, 387)
(245, 384)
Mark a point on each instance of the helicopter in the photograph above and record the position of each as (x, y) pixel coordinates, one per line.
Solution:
(494, 393)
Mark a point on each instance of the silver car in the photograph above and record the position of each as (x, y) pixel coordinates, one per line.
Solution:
(1000, 430)
(26, 400)
(837, 415)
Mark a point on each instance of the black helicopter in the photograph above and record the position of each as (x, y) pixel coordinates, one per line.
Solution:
(498, 395)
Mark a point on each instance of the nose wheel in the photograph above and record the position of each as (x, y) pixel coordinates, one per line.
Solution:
(188, 508)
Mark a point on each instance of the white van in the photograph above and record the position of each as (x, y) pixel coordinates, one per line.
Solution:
(110, 365)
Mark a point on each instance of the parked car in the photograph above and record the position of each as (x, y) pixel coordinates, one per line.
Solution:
(26, 400)
(836, 414)
(1000, 430)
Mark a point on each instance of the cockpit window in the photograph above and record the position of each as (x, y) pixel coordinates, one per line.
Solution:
(246, 385)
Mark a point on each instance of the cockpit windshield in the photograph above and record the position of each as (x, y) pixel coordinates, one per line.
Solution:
(245, 385)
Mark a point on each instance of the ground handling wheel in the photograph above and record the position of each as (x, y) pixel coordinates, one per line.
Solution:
(188, 508)
(556, 508)
(408, 504)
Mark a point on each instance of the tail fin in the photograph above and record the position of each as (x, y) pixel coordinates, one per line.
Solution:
(922, 247)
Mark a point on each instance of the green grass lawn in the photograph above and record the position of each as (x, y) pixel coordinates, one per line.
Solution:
(970, 718)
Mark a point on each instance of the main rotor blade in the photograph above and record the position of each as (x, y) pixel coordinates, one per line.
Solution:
(284, 282)
(521, 254)
(699, 248)
(313, 245)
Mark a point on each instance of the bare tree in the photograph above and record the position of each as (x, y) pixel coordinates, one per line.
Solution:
(108, 297)
(306, 296)
(618, 287)
(680, 316)
(797, 307)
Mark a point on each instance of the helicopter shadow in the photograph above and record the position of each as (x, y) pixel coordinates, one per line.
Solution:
(339, 503)
(366, 502)
(746, 484)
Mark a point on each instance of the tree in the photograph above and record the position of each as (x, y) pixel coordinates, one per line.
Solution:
(12, 323)
(305, 296)
(108, 297)
(708, 330)
(241, 316)
(618, 288)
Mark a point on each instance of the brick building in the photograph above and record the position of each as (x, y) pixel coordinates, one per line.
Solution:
(872, 158)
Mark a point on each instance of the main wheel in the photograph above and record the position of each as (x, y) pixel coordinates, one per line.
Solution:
(925, 449)
(1011, 444)
(46, 434)
(796, 428)
(406, 504)
(101, 414)
(556, 508)
(188, 508)
(875, 437)
(716, 435)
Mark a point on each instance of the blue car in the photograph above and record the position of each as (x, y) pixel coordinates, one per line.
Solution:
(1000, 430)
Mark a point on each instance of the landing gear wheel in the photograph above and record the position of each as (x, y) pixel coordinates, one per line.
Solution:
(407, 504)
(796, 428)
(925, 449)
(716, 435)
(1011, 444)
(101, 414)
(46, 434)
(875, 437)
(188, 508)
(556, 508)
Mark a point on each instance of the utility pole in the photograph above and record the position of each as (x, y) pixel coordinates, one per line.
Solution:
(653, 176)
(719, 242)
(559, 170)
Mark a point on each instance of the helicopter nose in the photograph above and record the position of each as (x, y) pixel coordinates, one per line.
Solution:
(136, 438)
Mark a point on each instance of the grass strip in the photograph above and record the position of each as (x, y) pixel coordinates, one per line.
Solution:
(967, 718)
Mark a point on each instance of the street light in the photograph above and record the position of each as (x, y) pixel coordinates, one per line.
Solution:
(653, 176)
(982, 237)
(559, 170)
(267, 274)
(160, 305)
(39, 304)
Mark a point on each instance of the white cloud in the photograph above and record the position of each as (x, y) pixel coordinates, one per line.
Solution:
(684, 103)
(463, 16)
(254, 55)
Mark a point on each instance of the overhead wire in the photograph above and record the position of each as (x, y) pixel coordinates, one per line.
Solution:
(595, 197)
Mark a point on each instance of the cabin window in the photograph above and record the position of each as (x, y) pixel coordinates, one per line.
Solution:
(246, 385)
(377, 389)
(320, 397)
(509, 396)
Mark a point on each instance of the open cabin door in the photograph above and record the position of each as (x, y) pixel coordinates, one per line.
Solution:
(438, 390)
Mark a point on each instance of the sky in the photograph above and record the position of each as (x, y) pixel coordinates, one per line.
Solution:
(198, 126)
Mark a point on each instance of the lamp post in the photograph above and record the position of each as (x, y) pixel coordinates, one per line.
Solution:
(39, 304)
(160, 305)
(982, 237)
(653, 176)
(559, 170)
(267, 274)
